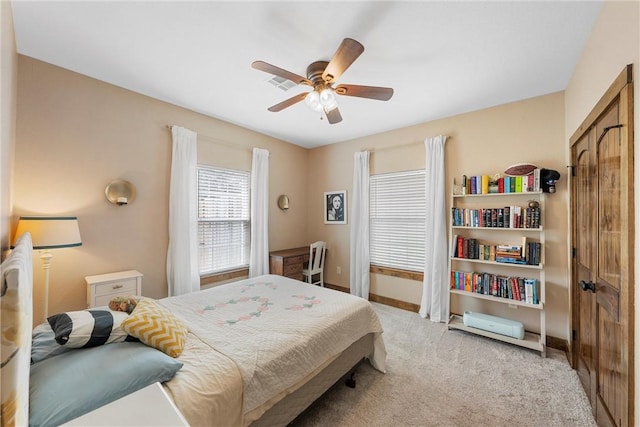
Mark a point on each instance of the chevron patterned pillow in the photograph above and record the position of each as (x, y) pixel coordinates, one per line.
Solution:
(156, 327)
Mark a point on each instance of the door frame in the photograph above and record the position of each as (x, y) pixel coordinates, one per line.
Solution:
(621, 89)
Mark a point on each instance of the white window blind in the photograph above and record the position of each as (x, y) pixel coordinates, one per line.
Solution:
(223, 219)
(397, 215)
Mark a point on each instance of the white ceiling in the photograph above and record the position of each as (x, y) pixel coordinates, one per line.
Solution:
(441, 58)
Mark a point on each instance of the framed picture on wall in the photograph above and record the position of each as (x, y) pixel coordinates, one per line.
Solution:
(335, 207)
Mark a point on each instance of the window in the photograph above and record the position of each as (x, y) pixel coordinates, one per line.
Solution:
(397, 215)
(224, 228)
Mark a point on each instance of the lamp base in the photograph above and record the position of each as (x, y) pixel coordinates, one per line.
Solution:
(45, 259)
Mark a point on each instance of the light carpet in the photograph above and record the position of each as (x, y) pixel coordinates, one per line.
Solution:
(437, 377)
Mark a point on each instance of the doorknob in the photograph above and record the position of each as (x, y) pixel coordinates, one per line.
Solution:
(588, 286)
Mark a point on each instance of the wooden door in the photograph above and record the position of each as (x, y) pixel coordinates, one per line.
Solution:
(602, 269)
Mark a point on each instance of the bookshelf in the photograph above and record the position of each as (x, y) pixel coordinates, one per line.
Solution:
(491, 261)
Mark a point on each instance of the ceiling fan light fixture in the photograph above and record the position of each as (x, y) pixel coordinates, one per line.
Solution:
(313, 101)
(328, 99)
(321, 76)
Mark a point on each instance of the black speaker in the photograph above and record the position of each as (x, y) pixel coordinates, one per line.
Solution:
(548, 179)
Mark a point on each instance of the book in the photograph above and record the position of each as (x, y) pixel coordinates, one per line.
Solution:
(528, 290)
(509, 260)
(507, 219)
(536, 179)
(485, 184)
(454, 246)
(518, 185)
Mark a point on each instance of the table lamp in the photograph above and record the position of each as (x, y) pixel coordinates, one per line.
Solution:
(50, 233)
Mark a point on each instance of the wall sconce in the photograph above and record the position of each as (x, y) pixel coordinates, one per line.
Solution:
(283, 202)
(120, 192)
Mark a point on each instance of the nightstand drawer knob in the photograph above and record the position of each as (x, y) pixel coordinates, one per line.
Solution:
(117, 286)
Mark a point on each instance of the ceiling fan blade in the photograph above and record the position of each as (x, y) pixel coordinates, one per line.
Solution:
(287, 102)
(277, 71)
(371, 92)
(334, 116)
(348, 51)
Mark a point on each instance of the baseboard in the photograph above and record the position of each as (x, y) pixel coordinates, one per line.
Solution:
(382, 300)
(552, 342)
(558, 344)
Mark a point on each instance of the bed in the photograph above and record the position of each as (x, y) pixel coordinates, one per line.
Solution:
(257, 351)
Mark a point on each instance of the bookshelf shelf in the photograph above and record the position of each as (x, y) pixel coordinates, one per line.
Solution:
(497, 299)
(521, 230)
(526, 193)
(502, 264)
(482, 270)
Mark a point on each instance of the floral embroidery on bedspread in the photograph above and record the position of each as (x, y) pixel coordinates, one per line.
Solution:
(263, 307)
(249, 286)
(309, 303)
(264, 303)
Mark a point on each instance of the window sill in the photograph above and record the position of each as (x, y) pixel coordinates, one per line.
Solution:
(221, 277)
(394, 272)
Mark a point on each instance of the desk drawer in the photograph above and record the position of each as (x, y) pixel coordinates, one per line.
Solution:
(293, 269)
(293, 260)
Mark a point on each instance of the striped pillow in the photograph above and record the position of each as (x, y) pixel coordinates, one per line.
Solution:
(155, 326)
(88, 328)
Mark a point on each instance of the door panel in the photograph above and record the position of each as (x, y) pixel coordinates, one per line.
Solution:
(608, 268)
(584, 301)
(602, 226)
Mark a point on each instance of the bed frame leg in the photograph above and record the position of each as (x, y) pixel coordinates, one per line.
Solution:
(351, 381)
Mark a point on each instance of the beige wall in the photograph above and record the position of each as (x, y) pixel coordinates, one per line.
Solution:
(613, 43)
(76, 134)
(8, 89)
(481, 142)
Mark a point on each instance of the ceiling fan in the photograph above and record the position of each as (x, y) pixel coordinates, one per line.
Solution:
(321, 76)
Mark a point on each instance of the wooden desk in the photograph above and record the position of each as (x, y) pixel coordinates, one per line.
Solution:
(289, 262)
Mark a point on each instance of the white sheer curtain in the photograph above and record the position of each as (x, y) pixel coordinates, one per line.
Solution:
(182, 254)
(435, 286)
(359, 260)
(259, 257)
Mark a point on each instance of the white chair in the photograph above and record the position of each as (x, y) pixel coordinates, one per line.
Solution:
(316, 263)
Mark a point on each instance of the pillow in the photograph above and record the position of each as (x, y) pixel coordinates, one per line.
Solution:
(88, 328)
(71, 384)
(155, 326)
(44, 345)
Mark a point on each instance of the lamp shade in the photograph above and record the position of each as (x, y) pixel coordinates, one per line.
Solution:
(51, 232)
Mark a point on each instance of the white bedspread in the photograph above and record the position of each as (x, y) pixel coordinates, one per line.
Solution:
(277, 330)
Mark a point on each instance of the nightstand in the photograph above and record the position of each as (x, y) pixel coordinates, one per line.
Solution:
(102, 288)
(150, 406)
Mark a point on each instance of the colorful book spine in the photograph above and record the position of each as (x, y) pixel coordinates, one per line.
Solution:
(518, 185)
(485, 184)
